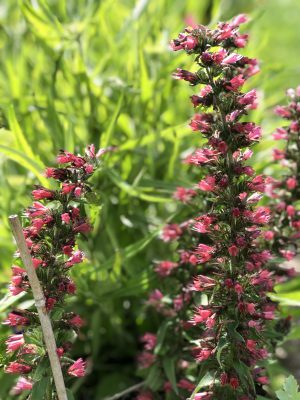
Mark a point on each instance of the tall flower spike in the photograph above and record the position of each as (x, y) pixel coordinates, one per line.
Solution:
(284, 235)
(51, 227)
(214, 296)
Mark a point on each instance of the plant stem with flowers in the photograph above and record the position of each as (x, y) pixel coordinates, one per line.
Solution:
(51, 227)
(215, 294)
(284, 234)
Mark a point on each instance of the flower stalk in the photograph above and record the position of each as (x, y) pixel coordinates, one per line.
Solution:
(40, 304)
(49, 249)
(215, 293)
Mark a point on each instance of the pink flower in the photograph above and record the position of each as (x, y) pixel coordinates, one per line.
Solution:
(16, 319)
(171, 232)
(257, 184)
(250, 308)
(76, 321)
(17, 368)
(186, 42)
(288, 254)
(238, 288)
(21, 385)
(89, 169)
(78, 191)
(149, 340)
(201, 122)
(42, 193)
(240, 41)
(76, 258)
(145, 359)
(202, 282)
(203, 223)
(203, 396)
(165, 268)
(278, 154)
(14, 342)
(82, 227)
(66, 218)
(269, 235)
(255, 134)
(202, 354)
(77, 369)
(264, 380)
(224, 378)
(186, 76)
(251, 345)
(280, 134)
(239, 19)
(261, 215)
(291, 183)
(291, 211)
(234, 382)
(190, 43)
(60, 351)
(68, 187)
(187, 385)
(145, 395)
(254, 324)
(203, 156)
(36, 210)
(155, 297)
(204, 252)
(282, 112)
(201, 315)
(235, 83)
(184, 195)
(50, 303)
(231, 59)
(248, 98)
(208, 184)
(233, 250)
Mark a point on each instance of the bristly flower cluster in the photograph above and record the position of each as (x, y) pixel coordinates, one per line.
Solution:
(215, 292)
(284, 233)
(52, 224)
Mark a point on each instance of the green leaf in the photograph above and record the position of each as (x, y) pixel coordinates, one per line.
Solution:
(154, 378)
(289, 299)
(161, 336)
(221, 346)
(134, 191)
(26, 162)
(290, 390)
(39, 389)
(42, 369)
(9, 300)
(169, 368)
(70, 395)
(244, 373)
(18, 133)
(205, 381)
(231, 328)
(107, 135)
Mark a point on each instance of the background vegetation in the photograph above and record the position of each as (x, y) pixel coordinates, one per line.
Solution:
(74, 72)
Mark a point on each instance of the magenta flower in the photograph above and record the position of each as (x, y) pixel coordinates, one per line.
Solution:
(14, 342)
(21, 385)
(77, 369)
(17, 368)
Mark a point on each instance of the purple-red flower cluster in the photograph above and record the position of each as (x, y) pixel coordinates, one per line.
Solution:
(214, 293)
(51, 227)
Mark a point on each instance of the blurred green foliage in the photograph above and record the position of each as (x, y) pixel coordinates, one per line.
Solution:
(74, 72)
